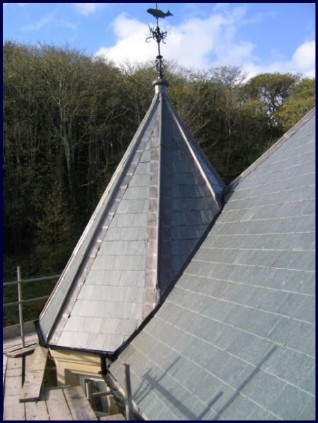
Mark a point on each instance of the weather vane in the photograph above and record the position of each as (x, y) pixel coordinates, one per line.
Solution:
(158, 36)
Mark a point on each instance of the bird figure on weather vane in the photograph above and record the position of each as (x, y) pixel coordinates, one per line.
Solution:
(159, 36)
(157, 13)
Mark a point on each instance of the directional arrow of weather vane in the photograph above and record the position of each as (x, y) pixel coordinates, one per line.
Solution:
(159, 36)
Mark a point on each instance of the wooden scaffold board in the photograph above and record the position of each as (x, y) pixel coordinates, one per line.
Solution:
(34, 375)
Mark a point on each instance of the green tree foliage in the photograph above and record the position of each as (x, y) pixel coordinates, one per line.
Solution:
(68, 119)
(271, 89)
(301, 99)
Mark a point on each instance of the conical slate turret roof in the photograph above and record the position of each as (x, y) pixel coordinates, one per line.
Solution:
(158, 206)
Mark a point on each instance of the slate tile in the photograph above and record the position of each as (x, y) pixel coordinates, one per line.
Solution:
(211, 396)
(142, 339)
(254, 321)
(115, 310)
(166, 358)
(248, 274)
(303, 338)
(112, 293)
(311, 264)
(77, 340)
(219, 310)
(306, 310)
(265, 299)
(150, 407)
(126, 233)
(259, 414)
(142, 168)
(132, 206)
(98, 340)
(240, 343)
(299, 260)
(290, 403)
(110, 277)
(164, 413)
(309, 384)
(131, 278)
(75, 325)
(86, 308)
(66, 338)
(233, 371)
(172, 335)
(199, 351)
(309, 410)
(282, 330)
(262, 388)
(172, 313)
(225, 337)
(198, 268)
(209, 330)
(203, 411)
(113, 234)
(93, 325)
(122, 220)
(185, 298)
(146, 156)
(157, 328)
(290, 303)
(88, 292)
(136, 311)
(139, 220)
(297, 368)
(133, 295)
(258, 351)
(237, 293)
(277, 360)
(284, 279)
(306, 225)
(237, 408)
(125, 327)
(112, 342)
(308, 283)
(140, 180)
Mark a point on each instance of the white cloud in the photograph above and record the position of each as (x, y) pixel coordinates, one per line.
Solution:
(89, 8)
(190, 43)
(302, 61)
(48, 21)
(304, 57)
(15, 4)
(5, 5)
(201, 43)
(130, 46)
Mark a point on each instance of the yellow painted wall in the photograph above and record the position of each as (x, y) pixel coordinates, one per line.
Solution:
(69, 363)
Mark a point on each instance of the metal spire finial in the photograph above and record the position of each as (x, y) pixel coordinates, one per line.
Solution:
(158, 36)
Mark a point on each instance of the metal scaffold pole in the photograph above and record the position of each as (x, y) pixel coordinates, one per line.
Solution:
(20, 305)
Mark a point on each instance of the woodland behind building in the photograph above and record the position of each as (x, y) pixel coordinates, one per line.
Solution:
(68, 119)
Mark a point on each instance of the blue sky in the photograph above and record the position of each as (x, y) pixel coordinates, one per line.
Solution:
(257, 37)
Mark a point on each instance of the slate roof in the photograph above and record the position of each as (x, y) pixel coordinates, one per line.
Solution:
(162, 199)
(235, 339)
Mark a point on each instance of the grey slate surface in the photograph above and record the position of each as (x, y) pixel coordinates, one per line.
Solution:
(235, 339)
(161, 200)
